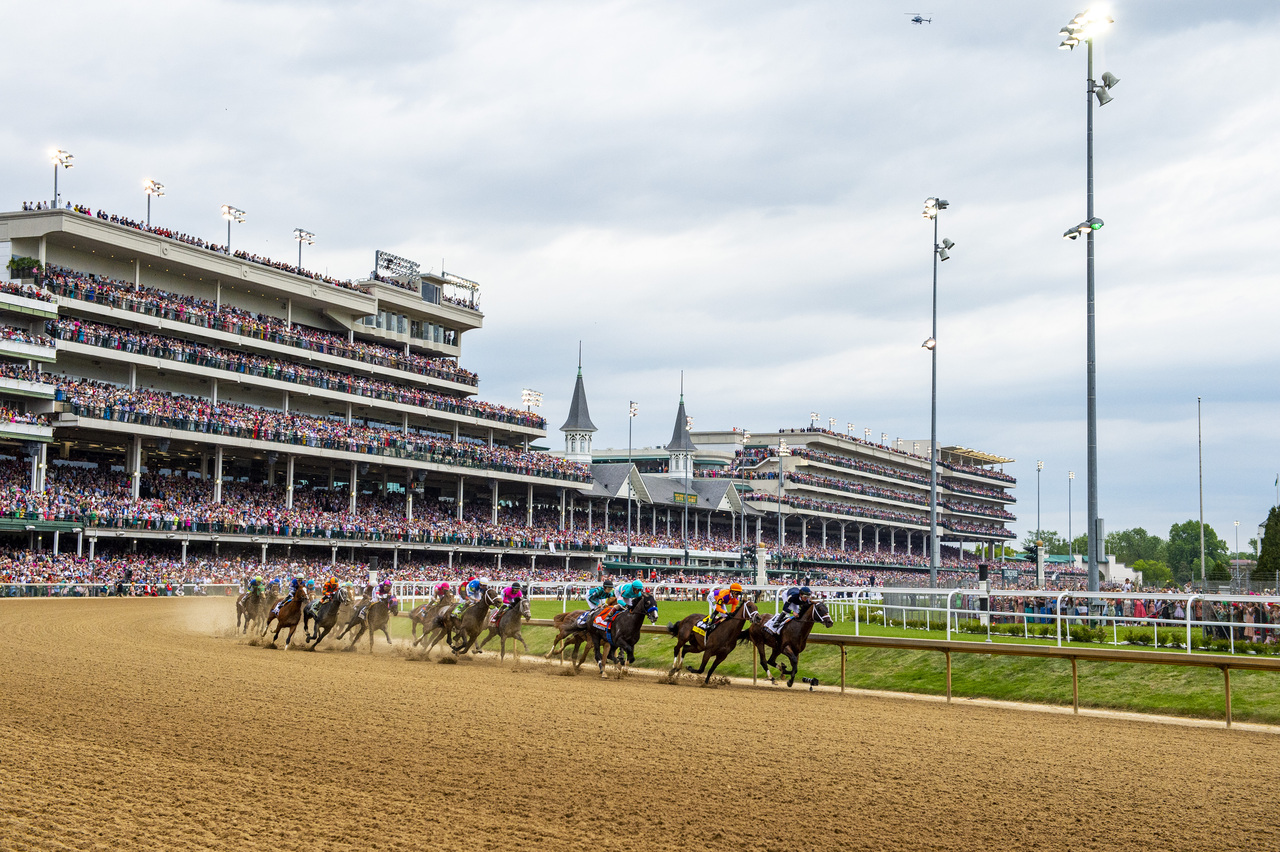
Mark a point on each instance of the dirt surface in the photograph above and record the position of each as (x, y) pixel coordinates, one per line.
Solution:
(143, 724)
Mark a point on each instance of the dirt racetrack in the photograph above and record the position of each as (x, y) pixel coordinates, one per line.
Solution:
(142, 724)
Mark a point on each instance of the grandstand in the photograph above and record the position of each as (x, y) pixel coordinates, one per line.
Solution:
(166, 401)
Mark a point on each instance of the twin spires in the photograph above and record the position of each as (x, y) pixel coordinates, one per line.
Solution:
(578, 429)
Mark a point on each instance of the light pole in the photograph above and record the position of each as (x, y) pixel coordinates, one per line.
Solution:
(813, 419)
(151, 188)
(632, 411)
(688, 470)
(783, 452)
(530, 398)
(933, 206)
(1039, 467)
(1237, 557)
(234, 214)
(1083, 28)
(867, 434)
(1200, 466)
(1071, 545)
(303, 236)
(831, 423)
(60, 158)
(746, 436)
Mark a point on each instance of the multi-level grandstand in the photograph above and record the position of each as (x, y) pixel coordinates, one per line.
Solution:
(163, 398)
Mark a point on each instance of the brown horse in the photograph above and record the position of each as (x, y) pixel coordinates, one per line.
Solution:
(789, 641)
(719, 641)
(423, 616)
(287, 614)
(568, 631)
(472, 621)
(508, 627)
(372, 618)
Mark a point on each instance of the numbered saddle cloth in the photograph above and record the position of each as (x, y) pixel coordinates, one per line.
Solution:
(604, 619)
(701, 627)
(775, 624)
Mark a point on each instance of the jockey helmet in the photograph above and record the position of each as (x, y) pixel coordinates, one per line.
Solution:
(384, 586)
(805, 591)
(735, 587)
(441, 588)
(608, 582)
(516, 586)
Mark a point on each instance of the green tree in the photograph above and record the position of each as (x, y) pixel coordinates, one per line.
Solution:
(1080, 545)
(1183, 549)
(1269, 556)
(1054, 544)
(1130, 546)
(1154, 574)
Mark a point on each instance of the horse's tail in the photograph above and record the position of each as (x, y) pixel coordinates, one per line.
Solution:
(671, 628)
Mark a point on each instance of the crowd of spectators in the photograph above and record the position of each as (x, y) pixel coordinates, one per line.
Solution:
(22, 335)
(27, 291)
(978, 509)
(239, 361)
(102, 401)
(956, 525)
(202, 312)
(848, 486)
(838, 508)
(18, 370)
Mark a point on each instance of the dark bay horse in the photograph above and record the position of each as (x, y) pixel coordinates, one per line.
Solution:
(287, 614)
(508, 627)
(372, 618)
(472, 621)
(253, 608)
(721, 639)
(789, 641)
(620, 640)
(423, 616)
(323, 616)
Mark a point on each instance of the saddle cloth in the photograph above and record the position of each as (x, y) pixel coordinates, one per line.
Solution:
(776, 623)
(604, 620)
(701, 627)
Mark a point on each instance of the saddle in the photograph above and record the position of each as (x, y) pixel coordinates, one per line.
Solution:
(702, 627)
(604, 619)
(774, 625)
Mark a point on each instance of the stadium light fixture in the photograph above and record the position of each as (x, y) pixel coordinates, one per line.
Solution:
(60, 158)
(531, 398)
(231, 214)
(867, 433)
(884, 439)
(831, 423)
(1083, 29)
(302, 235)
(152, 188)
(633, 408)
(850, 429)
(1071, 546)
(941, 252)
(813, 419)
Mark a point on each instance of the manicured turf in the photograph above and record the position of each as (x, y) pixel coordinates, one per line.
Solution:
(1122, 686)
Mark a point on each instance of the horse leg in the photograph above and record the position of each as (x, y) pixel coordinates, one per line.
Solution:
(487, 639)
(795, 666)
(514, 653)
(719, 658)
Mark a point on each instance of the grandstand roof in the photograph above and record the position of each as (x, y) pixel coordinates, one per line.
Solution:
(977, 457)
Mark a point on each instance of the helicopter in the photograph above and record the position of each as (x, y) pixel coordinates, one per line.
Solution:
(918, 18)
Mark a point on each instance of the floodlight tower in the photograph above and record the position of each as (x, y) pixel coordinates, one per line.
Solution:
(302, 235)
(231, 214)
(1083, 28)
(152, 188)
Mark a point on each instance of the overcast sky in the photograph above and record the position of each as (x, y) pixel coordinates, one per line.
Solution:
(734, 189)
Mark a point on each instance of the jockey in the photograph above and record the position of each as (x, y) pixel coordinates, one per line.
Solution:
(793, 603)
(257, 585)
(296, 584)
(473, 590)
(629, 593)
(726, 601)
(510, 597)
(597, 599)
(330, 588)
(441, 590)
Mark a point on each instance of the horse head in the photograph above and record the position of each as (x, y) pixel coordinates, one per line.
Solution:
(525, 611)
(393, 605)
(819, 613)
(649, 606)
(749, 610)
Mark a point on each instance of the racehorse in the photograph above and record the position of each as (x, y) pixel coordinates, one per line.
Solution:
(722, 639)
(790, 640)
(472, 621)
(254, 607)
(324, 615)
(371, 617)
(508, 627)
(287, 614)
(620, 639)
(425, 615)
(568, 630)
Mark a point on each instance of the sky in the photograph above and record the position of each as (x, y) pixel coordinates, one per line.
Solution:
(734, 189)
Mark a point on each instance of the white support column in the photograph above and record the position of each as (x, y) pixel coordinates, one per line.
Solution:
(80, 543)
(43, 470)
(877, 529)
(455, 431)
(348, 414)
(288, 490)
(93, 541)
(217, 293)
(804, 532)
(590, 504)
(759, 531)
(137, 272)
(668, 521)
(493, 500)
(404, 424)
(204, 467)
(562, 507)
(333, 556)
(184, 551)
(135, 466)
(490, 438)
(458, 504)
(288, 311)
(217, 475)
(55, 542)
(824, 533)
(353, 484)
(573, 515)
(133, 377)
(264, 555)
(284, 402)
(528, 507)
(213, 391)
(408, 496)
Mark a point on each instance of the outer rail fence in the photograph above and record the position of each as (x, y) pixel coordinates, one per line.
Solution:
(949, 647)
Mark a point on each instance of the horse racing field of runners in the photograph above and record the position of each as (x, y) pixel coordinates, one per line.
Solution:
(155, 724)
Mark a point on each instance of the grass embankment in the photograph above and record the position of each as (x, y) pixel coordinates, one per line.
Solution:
(1171, 690)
